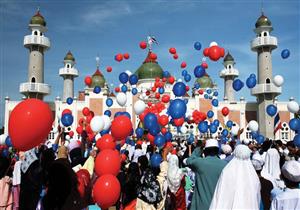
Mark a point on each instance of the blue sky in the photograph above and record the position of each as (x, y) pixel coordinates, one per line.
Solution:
(110, 27)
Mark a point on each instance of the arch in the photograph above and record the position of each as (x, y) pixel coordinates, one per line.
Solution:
(268, 81)
(68, 65)
(265, 33)
(35, 33)
(33, 79)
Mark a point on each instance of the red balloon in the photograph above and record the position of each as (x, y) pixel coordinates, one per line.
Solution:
(147, 93)
(222, 52)
(201, 91)
(89, 118)
(81, 121)
(88, 80)
(117, 89)
(165, 98)
(106, 142)
(163, 120)
(171, 80)
(85, 111)
(153, 56)
(143, 45)
(204, 65)
(142, 116)
(109, 69)
(175, 56)
(187, 88)
(71, 133)
(91, 136)
(139, 142)
(225, 111)
(150, 138)
(157, 95)
(108, 162)
(79, 129)
(121, 127)
(66, 111)
(153, 89)
(214, 53)
(183, 64)
(84, 179)
(89, 129)
(174, 152)
(123, 158)
(169, 144)
(164, 79)
(29, 124)
(163, 130)
(179, 121)
(206, 52)
(119, 57)
(172, 50)
(126, 56)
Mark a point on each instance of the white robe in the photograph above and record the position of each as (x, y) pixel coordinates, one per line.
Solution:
(289, 199)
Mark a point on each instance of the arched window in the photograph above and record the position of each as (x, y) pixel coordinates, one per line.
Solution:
(68, 65)
(33, 79)
(284, 132)
(229, 66)
(265, 33)
(268, 81)
(35, 33)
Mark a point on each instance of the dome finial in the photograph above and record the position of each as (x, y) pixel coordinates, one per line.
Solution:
(97, 61)
(151, 40)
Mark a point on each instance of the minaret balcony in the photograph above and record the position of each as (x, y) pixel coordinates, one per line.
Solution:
(265, 88)
(266, 41)
(42, 41)
(68, 72)
(29, 87)
(229, 72)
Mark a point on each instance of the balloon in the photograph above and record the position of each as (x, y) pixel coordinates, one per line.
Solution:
(106, 191)
(97, 124)
(29, 124)
(150, 120)
(179, 89)
(215, 102)
(294, 124)
(139, 107)
(199, 71)
(107, 162)
(107, 122)
(163, 120)
(183, 65)
(84, 180)
(179, 121)
(168, 135)
(213, 128)
(216, 122)
(296, 140)
(143, 45)
(107, 112)
(166, 74)
(123, 77)
(204, 65)
(155, 160)
(177, 108)
(139, 132)
(229, 123)
(171, 79)
(109, 69)
(8, 142)
(278, 80)
(119, 57)
(225, 111)
(172, 50)
(251, 82)
(106, 142)
(225, 132)
(88, 80)
(175, 56)
(85, 111)
(126, 56)
(210, 114)
(67, 119)
(254, 134)
(66, 111)
(121, 99)
(214, 52)
(235, 130)
(237, 84)
(97, 89)
(184, 72)
(260, 139)
(121, 127)
(271, 110)
(285, 53)
(183, 129)
(161, 90)
(153, 56)
(253, 126)
(124, 88)
(187, 78)
(79, 129)
(293, 106)
(69, 100)
(133, 79)
(203, 126)
(109, 102)
(117, 89)
(197, 46)
(154, 130)
(134, 91)
(165, 98)
(160, 140)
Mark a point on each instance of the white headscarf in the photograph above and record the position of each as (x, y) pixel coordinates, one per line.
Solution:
(175, 174)
(271, 168)
(238, 186)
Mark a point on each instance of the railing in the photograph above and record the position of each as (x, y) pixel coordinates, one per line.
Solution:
(37, 40)
(265, 88)
(68, 71)
(35, 88)
(229, 72)
(267, 40)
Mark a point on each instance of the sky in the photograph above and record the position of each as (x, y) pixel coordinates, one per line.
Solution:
(107, 28)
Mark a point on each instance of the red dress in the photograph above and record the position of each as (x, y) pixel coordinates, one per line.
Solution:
(176, 201)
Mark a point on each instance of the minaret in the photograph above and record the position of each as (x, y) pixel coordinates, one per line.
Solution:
(265, 90)
(68, 72)
(37, 44)
(228, 73)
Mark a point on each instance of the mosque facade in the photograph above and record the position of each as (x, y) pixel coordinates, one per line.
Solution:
(241, 111)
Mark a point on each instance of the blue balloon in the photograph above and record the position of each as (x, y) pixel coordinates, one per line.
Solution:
(251, 82)
(126, 114)
(166, 74)
(118, 114)
(134, 91)
(124, 88)
(186, 101)
(225, 132)
(161, 90)
(139, 132)
(150, 120)
(208, 91)
(216, 93)
(154, 130)
(216, 122)
(123, 77)
(184, 72)
(191, 139)
(160, 140)
(213, 128)
(205, 96)
(107, 112)
(252, 75)
(271, 110)
(223, 139)
(203, 126)
(5, 153)
(155, 160)
(254, 134)
(8, 142)
(199, 71)
(237, 84)
(187, 78)
(67, 119)
(294, 124)
(103, 132)
(285, 53)
(109, 102)
(260, 139)
(229, 123)
(133, 79)
(197, 85)
(97, 89)
(215, 102)
(296, 140)
(179, 89)
(197, 46)
(177, 108)
(69, 100)
(210, 114)
(168, 135)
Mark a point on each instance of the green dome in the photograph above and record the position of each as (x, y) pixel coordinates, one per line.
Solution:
(38, 19)
(263, 21)
(97, 79)
(149, 69)
(69, 56)
(205, 82)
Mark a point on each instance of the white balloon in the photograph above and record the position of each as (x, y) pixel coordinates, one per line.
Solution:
(253, 126)
(179, 80)
(2, 139)
(121, 98)
(67, 142)
(278, 80)
(97, 124)
(107, 122)
(139, 107)
(213, 44)
(68, 137)
(128, 72)
(183, 129)
(293, 106)
(246, 141)
(235, 130)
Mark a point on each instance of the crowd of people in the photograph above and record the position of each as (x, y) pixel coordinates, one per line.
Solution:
(203, 175)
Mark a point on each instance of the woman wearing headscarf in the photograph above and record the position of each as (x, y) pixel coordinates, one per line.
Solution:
(238, 186)
(176, 183)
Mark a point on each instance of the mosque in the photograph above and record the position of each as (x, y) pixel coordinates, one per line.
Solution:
(241, 111)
